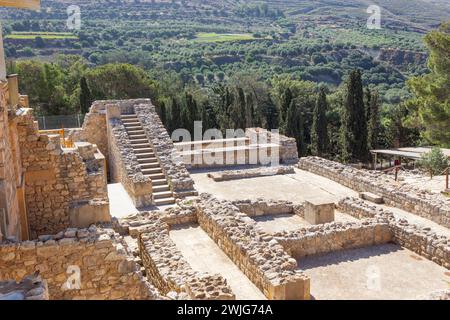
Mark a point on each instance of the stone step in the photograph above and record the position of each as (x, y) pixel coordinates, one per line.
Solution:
(160, 188)
(148, 161)
(159, 182)
(138, 141)
(162, 202)
(157, 177)
(162, 195)
(134, 137)
(131, 123)
(151, 171)
(142, 146)
(133, 128)
(139, 132)
(149, 165)
(145, 155)
(371, 197)
(129, 115)
(130, 119)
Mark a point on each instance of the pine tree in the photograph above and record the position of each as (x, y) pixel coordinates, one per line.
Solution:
(85, 96)
(354, 122)
(373, 135)
(319, 131)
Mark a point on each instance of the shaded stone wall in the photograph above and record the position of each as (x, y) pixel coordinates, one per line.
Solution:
(334, 236)
(164, 263)
(124, 167)
(420, 240)
(107, 270)
(261, 257)
(432, 206)
(10, 171)
(171, 163)
(56, 178)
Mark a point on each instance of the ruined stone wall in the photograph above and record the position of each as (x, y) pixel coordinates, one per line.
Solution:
(164, 263)
(94, 128)
(420, 240)
(262, 207)
(171, 163)
(334, 236)
(107, 270)
(250, 173)
(261, 257)
(124, 166)
(56, 178)
(430, 205)
(288, 152)
(10, 171)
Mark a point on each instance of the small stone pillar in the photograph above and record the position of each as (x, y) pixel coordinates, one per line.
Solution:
(13, 88)
(319, 211)
(113, 111)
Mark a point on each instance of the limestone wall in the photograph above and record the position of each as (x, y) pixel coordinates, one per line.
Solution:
(288, 152)
(10, 171)
(334, 236)
(124, 166)
(257, 254)
(171, 163)
(262, 207)
(57, 179)
(430, 205)
(106, 269)
(94, 128)
(250, 173)
(164, 263)
(420, 240)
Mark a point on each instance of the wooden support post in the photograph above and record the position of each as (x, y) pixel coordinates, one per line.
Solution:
(446, 178)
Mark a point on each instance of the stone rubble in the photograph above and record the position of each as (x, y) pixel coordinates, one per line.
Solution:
(250, 173)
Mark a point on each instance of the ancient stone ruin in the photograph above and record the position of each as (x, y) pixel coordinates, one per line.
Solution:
(117, 210)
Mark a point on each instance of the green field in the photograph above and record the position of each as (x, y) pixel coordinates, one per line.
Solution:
(43, 35)
(206, 37)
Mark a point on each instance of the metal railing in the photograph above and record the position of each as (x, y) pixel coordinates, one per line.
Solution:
(58, 122)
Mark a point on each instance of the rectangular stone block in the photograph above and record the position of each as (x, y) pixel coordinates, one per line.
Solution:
(319, 211)
(371, 197)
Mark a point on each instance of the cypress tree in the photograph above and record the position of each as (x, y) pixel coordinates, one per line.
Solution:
(175, 118)
(319, 131)
(374, 125)
(85, 96)
(286, 101)
(295, 127)
(162, 113)
(354, 122)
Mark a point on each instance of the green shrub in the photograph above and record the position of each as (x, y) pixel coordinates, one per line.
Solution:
(434, 161)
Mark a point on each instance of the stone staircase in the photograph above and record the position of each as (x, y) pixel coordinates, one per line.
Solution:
(149, 164)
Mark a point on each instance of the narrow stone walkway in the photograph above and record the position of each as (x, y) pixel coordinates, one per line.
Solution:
(202, 253)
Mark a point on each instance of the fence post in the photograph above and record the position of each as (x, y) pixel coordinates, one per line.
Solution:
(446, 178)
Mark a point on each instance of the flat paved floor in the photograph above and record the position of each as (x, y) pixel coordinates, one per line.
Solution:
(121, 205)
(297, 188)
(381, 272)
(202, 253)
(292, 187)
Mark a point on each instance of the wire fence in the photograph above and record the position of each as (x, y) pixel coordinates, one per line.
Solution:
(58, 122)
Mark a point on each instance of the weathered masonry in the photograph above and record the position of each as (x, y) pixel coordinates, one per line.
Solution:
(44, 186)
(140, 153)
